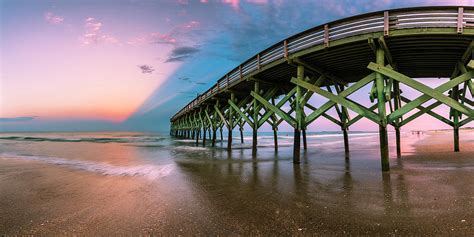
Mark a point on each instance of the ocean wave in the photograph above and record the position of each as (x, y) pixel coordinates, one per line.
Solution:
(185, 140)
(190, 148)
(84, 139)
(148, 171)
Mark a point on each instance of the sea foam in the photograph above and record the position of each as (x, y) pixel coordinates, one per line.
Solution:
(130, 139)
(148, 171)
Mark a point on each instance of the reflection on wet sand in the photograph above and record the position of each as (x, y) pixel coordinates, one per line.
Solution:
(211, 191)
(326, 195)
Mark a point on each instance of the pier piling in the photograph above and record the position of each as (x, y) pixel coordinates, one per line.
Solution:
(335, 61)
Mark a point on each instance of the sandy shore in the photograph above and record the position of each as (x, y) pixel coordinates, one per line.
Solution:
(427, 192)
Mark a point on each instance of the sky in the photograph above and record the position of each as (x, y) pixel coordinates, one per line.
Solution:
(70, 65)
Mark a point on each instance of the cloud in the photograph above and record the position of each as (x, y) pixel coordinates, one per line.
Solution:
(153, 38)
(180, 54)
(53, 19)
(146, 68)
(94, 35)
(17, 119)
(184, 78)
(174, 37)
(235, 4)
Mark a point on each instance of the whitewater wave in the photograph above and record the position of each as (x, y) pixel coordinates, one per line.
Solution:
(190, 148)
(148, 171)
(319, 136)
(84, 139)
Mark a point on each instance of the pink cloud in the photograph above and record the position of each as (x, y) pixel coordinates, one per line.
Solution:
(94, 35)
(258, 1)
(175, 36)
(235, 4)
(190, 25)
(53, 19)
(153, 38)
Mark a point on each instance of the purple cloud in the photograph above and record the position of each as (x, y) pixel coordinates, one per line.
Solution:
(17, 119)
(53, 19)
(176, 36)
(146, 68)
(94, 35)
(180, 54)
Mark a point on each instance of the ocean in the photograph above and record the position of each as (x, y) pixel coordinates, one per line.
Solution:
(109, 183)
(156, 154)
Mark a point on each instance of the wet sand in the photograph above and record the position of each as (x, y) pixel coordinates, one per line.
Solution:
(428, 191)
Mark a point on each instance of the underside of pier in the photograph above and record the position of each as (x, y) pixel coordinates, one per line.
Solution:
(385, 51)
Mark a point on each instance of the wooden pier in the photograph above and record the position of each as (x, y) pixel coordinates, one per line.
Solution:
(385, 50)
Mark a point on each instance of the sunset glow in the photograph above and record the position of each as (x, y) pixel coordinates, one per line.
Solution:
(138, 62)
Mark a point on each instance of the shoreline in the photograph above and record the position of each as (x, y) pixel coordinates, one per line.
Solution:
(428, 191)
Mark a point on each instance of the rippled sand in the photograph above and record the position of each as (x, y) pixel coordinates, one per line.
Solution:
(173, 187)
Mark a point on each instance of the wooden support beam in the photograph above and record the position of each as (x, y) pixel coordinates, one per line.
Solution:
(269, 113)
(469, 102)
(222, 135)
(275, 128)
(379, 80)
(428, 92)
(345, 112)
(224, 121)
(198, 129)
(255, 117)
(204, 136)
(387, 53)
(460, 20)
(299, 116)
(308, 94)
(336, 106)
(319, 71)
(463, 69)
(231, 124)
(467, 55)
(465, 121)
(371, 43)
(455, 96)
(337, 99)
(249, 109)
(397, 105)
(423, 110)
(215, 125)
(242, 115)
(274, 109)
(327, 116)
(269, 94)
(470, 64)
(344, 117)
(305, 144)
(208, 118)
(348, 91)
(346, 141)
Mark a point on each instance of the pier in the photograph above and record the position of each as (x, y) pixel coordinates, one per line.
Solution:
(382, 50)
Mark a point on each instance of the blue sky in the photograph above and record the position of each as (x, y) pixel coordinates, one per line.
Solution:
(130, 65)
